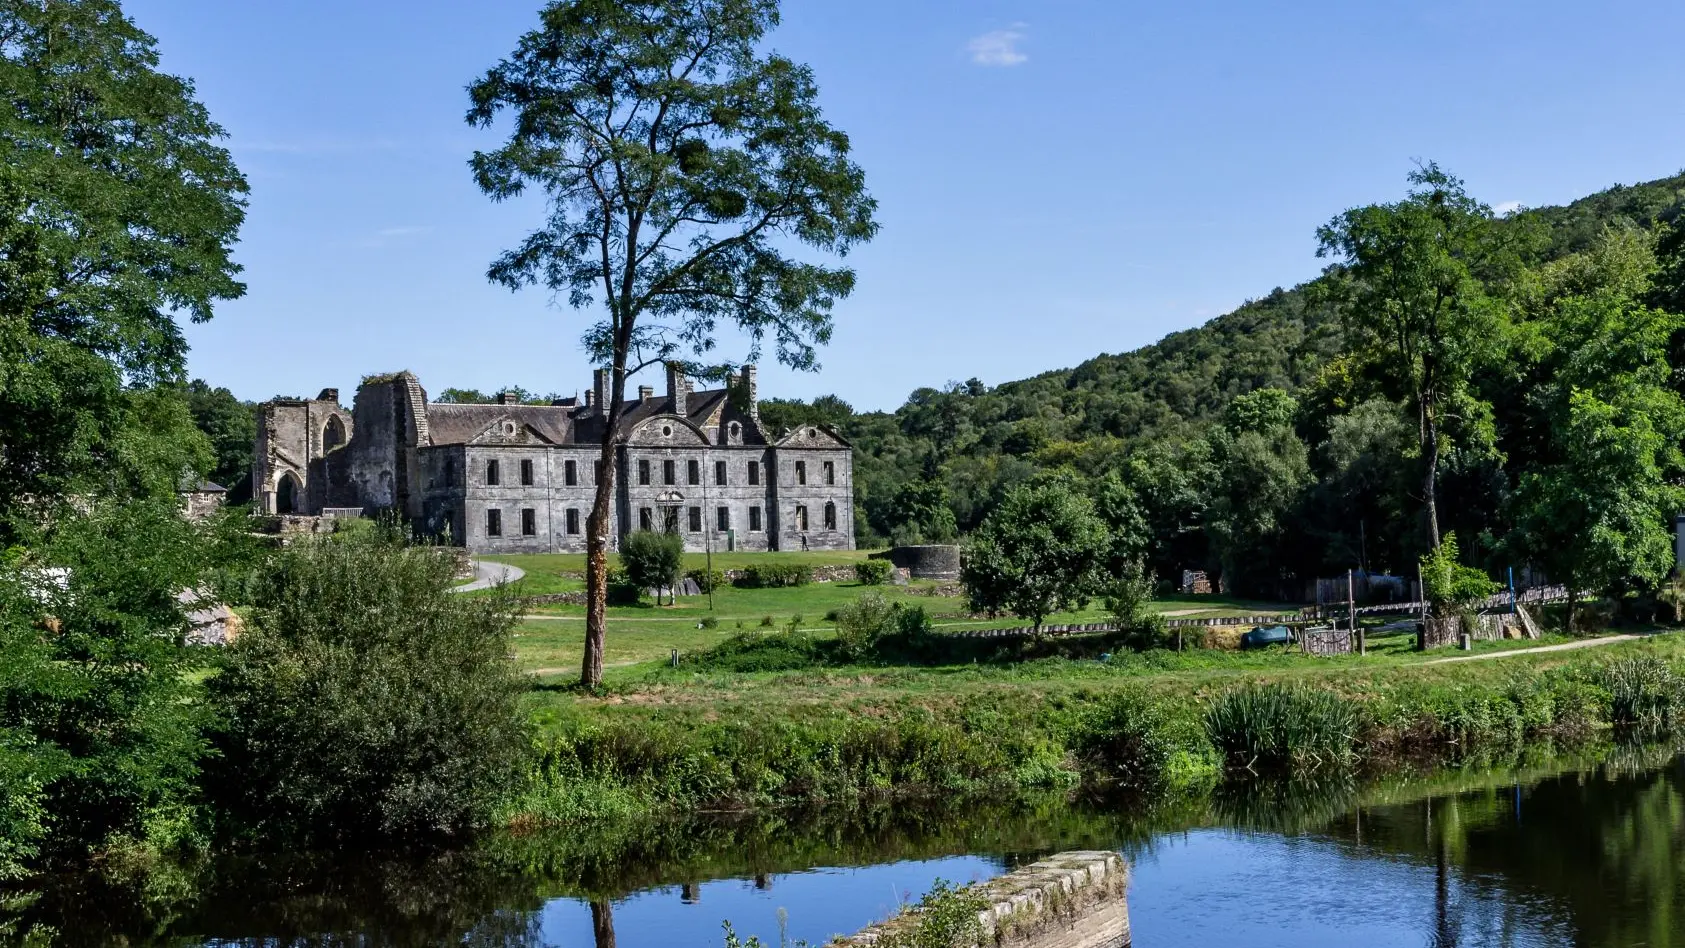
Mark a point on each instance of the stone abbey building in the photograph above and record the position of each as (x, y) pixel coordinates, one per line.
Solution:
(518, 478)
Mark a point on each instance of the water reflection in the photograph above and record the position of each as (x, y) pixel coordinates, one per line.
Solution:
(1586, 853)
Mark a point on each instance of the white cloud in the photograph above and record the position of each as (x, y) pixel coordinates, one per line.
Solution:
(1507, 208)
(998, 47)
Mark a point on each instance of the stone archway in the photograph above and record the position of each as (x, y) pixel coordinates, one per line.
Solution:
(288, 493)
(333, 434)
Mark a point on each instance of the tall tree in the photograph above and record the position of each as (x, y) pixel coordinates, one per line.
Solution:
(231, 426)
(118, 210)
(1412, 280)
(1041, 551)
(1595, 505)
(682, 164)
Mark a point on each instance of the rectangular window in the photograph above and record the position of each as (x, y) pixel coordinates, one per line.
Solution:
(570, 473)
(491, 473)
(646, 520)
(667, 472)
(529, 522)
(670, 519)
(693, 473)
(755, 519)
(754, 472)
(494, 523)
(597, 471)
(801, 472)
(722, 518)
(526, 473)
(830, 516)
(573, 522)
(696, 520)
(643, 471)
(830, 474)
(801, 518)
(719, 473)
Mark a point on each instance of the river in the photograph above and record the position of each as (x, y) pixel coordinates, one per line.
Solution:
(1585, 852)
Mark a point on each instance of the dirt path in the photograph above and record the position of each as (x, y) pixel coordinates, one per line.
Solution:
(489, 574)
(1564, 647)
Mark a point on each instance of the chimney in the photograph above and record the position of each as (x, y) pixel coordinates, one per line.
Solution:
(678, 387)
(329, 395)
(645, 393)
(599, 382)
(508, 398)
(751, 393)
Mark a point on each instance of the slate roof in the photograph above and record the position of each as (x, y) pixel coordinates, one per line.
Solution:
(460, 424)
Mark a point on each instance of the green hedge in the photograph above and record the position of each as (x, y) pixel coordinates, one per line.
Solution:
(775, 576)
(872, 572)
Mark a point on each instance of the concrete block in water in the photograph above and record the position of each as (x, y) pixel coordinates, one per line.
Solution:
(1071, 900)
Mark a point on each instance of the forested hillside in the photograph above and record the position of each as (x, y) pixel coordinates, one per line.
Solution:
(937, 464)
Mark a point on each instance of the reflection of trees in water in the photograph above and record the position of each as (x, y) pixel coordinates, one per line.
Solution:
(1611, 851)
(1608, 851)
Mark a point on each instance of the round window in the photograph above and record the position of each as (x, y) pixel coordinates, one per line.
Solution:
(667, 430)
(508, 427)
(813, 432)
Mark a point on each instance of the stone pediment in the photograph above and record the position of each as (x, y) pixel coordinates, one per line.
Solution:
(668, 430)
(508, 430)
(818, 437)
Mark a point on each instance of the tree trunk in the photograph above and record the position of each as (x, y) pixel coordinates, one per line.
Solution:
(602, 924)
(1430, 448)
(597, 528)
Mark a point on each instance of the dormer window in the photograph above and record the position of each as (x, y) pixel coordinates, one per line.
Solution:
(736, 431)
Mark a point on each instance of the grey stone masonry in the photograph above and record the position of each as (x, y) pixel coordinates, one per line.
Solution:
(514, 478)
(1071, 900)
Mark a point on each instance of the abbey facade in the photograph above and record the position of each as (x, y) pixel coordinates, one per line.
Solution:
(519, 478)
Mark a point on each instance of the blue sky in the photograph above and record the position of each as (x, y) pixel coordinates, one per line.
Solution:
(1056, 178)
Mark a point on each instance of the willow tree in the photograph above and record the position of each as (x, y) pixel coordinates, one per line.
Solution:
(1412, 279)
(683, 166)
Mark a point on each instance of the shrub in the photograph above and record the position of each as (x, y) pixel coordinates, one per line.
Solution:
(786, 650)
(1283, 726)
(872, 572)
(706, 580)
(766, 622)
(710, 622)
(775, 576)
(1127, 599)
(621, 591)
(862, 624)
(1645, 694)
(1139, 742)
(364, 699)
(652, 560)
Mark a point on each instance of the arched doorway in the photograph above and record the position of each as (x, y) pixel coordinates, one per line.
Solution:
(333, 434)
(287, 491)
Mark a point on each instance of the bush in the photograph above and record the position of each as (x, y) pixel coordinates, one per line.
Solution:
(862, 624)
(621, 591)
(710, 622)
(872, 572)
(775, 576)
(766, 622)
(707, 580)
(1283, 726)
(364, 699)
(652, 560)
(1137, 741)
(787, 650)
(1127, 599)
(1644, 694)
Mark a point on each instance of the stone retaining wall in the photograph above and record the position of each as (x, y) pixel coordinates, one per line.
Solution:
(1071, 900)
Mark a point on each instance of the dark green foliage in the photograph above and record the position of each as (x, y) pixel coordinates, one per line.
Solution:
(99, 717)
(621, 590)
(1449, 584)
(706, 580)
(1039, 552)
(872, 572)
(743, 652)
(118, 210)
(1279, 726)
(775, 576)
(365, 699)
(652, 560)
(1135, 740)
(231, 426)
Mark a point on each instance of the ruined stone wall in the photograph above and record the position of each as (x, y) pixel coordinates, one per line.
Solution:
(294, 441)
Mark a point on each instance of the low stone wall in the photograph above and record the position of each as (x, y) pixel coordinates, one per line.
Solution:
(1072, 900)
